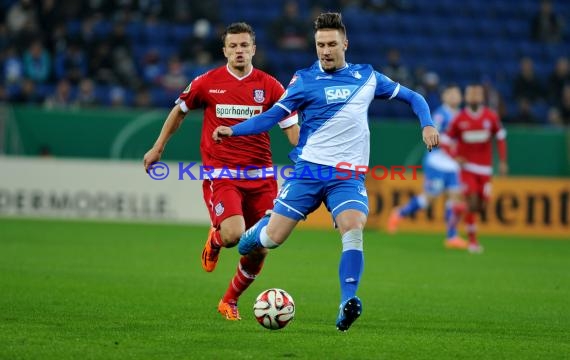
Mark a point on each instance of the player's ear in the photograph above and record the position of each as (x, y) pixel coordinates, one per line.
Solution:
(224, 51)
(345, 44)
(253, 47)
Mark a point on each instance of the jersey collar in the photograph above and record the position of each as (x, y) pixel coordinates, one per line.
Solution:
(337, 70)
(475, 114)
(237, 77)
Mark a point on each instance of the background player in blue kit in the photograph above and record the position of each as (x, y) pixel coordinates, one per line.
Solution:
(441, 174)
(332, 97)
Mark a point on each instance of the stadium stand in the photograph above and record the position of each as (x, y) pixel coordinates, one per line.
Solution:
(462, 41)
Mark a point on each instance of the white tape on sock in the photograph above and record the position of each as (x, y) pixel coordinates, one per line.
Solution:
(352, 240)
(266, 240)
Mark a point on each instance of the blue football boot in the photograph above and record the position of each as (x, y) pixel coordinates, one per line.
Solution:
(349, 311)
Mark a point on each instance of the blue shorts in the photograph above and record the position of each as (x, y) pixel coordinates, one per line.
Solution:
(313, 184)
(437, 181)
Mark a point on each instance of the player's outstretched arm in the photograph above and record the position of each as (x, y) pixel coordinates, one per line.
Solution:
(171, 124)
(254, 125)
(420, 107)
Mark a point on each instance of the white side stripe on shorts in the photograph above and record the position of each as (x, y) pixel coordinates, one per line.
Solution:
(347, 201)
(291, 208)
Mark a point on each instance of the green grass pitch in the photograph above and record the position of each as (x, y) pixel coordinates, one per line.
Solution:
(82, 290)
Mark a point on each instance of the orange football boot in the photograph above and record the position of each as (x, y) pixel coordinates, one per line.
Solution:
(229, 310)
(456, 243)
(210, 254)
(393, 221)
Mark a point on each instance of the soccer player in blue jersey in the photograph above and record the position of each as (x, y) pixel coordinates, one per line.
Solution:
(332, 97)
(441, 174)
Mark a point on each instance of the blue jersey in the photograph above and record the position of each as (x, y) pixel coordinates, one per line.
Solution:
(438, 159)
(442, 117)
(334, 111)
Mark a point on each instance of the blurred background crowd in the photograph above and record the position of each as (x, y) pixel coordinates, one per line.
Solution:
(143, 53)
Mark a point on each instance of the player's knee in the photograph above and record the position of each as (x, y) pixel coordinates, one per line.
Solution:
(230, 237)
(351, 223)
(352, 240)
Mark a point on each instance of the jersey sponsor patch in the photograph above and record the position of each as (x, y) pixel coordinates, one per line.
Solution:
(237, 111)
(476, 136)
(336, 94)
(259, 95)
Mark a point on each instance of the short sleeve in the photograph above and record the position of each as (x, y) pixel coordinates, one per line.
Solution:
(190, 97)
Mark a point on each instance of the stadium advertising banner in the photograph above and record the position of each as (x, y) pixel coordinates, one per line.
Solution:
(518, 206)
(121, 191)
(98, 190)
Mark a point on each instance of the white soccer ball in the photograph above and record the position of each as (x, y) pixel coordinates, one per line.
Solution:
(274, 309)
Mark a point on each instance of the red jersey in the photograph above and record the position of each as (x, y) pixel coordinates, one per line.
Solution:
(473, 133)
(228, 100)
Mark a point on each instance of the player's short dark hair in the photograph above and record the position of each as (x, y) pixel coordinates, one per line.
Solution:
(474, 84)
(451, 85)
(330, 20)
(238, 28)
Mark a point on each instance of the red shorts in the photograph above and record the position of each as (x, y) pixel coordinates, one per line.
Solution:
(476, 184)
(248, 198)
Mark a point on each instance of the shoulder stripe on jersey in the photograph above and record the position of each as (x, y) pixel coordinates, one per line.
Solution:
(182, 105)
(283, 107)
(501, 134)
(396, 91)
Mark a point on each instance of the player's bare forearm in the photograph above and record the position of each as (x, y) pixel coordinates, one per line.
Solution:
(292, 133)
(171, 124)
(503, 168)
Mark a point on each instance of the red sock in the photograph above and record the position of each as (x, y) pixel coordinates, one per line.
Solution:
(246, 272)
(458, 209)
(471, 227)
(216, 239)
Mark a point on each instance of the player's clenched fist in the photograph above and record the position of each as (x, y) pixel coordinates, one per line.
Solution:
(430, 137)
(221, 132)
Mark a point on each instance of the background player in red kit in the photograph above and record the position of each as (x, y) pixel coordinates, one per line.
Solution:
(230, 94)
(472, 132)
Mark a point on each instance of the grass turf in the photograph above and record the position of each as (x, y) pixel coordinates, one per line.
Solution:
(86, 290)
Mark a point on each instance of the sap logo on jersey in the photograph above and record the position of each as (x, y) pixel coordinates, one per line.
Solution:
(336, 94)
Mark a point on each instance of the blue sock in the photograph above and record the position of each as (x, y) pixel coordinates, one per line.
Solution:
(255, 230)
(349, 272)
(450, 220)
(412, 206)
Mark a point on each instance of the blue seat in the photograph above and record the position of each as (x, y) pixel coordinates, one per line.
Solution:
(181, 32)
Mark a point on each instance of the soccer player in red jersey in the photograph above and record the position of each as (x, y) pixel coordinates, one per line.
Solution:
(230, 94)
(472, 133)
